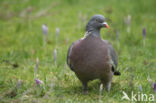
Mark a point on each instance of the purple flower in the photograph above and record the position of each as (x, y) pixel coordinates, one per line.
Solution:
(38, 82)
(57, 31)
(140, 87)
(101, 88)
(100, 93)
(144, 32)
(55, 55)
(19, 84)
(149, 79)
(44, 29)
(36, 65)
(127, 20)
(154, 86)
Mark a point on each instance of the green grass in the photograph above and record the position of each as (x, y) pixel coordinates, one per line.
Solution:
(21, 42)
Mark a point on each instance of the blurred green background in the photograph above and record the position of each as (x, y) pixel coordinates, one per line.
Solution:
(22, 42)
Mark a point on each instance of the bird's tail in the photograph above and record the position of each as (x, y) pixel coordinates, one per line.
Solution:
(117, 73)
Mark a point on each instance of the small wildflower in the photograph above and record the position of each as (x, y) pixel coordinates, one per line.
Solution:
(45, 32)
(144, 32)
(100, 93)
(44, 29)
(55, 55)
(149, 79)
(129, 20)
(117, 34)
(57, 32)
(144, 36)
(101, 88)
(140, 87)
(19, 84)
(38, 82)
(36, 65)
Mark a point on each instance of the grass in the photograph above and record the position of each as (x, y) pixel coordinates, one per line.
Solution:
(21, 42)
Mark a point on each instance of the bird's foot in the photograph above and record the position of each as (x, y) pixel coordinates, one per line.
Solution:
(84, 88)
(108, 86)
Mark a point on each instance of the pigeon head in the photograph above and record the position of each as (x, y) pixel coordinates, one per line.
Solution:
(96, 23)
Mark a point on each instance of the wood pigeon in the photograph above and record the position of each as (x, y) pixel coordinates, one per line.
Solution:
(92, 57)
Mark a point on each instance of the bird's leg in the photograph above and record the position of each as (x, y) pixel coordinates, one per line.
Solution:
(107, 84)
(84, 88)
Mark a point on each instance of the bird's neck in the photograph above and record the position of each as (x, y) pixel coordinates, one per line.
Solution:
(94, 32)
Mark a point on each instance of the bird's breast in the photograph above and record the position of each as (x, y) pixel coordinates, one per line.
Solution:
(89, 53)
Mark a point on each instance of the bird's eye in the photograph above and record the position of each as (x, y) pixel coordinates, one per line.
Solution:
(96, 20)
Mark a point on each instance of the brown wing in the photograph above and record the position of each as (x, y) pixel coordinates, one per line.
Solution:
(69, 53)
(114, 58)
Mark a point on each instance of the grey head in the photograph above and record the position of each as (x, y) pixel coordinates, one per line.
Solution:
(95, 24)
